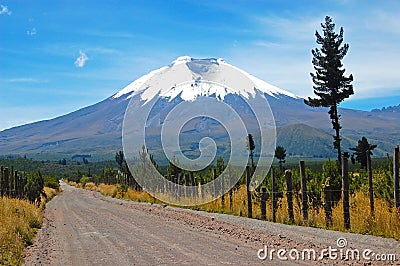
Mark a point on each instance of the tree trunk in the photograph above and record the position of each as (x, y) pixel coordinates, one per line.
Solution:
(304, 198)
(345, 193)
(336, 127)
(289, 193)
(370, 184)
(249, 203)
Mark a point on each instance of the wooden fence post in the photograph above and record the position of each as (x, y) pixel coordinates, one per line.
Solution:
(214, 182)
(174, 188)
(187, 184)
(345, 192)
(15, 184)
(263, 203)
(222, 190)
(165, 182)
(1, 180)
(328, 200)
(23, 183)
(11, 183)
(289, 194)
(273, 195)
(396, 177)
(231, 189)
(304, 196)
(180, 182)
(192, 183)
(249, 203)
(6, 186)
(371, 189)
(201, 182)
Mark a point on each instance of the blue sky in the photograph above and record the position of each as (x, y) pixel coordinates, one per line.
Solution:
(59, 56)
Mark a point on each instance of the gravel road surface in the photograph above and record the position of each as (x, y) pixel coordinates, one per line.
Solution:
(85, 228)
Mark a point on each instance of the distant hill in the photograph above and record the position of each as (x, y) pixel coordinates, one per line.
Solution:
(390, 109)
(301, 140)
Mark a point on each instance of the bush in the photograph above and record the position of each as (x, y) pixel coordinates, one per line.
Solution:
(51, 182)
(84, 180)
(34, 187)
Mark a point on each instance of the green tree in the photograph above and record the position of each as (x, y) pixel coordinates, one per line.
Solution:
(173, 168)
(153, 161)
(331, 86)
(34, 187)
(251, 146)
(332, 176)
(280, 154)
(220, 165)
(119, 158)
(361, 151)
(109, 175)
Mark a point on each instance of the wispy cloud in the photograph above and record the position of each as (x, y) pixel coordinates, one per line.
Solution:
(23, 80)
(4, 10)
(285, 45)
(110, 34)
(104, 50)
(383, 21)
(31, 32)
(288, 28)
(81, 60)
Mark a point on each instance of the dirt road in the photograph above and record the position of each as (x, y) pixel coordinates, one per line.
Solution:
(85, 228)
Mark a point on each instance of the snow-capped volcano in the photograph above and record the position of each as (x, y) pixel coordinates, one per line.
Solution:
(190, 78)
(97, 129)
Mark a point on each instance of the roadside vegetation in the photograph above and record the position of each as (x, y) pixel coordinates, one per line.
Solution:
(20, 218)
(385, 223)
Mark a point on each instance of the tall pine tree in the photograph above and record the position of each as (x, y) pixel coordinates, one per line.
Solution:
(331, 86)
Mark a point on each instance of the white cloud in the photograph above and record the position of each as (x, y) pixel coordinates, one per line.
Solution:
(4, 10)
(31, 32)
(295, 29)
(23, 80)
(281, 53)
(81, 60)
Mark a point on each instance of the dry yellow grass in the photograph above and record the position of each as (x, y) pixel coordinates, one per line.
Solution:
(19, 221)
(50, 193)
(90, 186)
(116, 191)
(386, 222)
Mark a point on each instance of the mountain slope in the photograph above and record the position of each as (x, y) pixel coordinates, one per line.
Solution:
(97, 129)
(93, 129)
(303, 140)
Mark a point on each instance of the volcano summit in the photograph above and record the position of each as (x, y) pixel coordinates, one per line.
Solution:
(97, 129)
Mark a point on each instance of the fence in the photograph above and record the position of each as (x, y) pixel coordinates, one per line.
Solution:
(12, 183)
(299, 195)
(328, 193)
(329, 199)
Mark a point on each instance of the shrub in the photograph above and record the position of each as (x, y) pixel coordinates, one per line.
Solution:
(84, 180)
(34, 187)
(51, 182)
